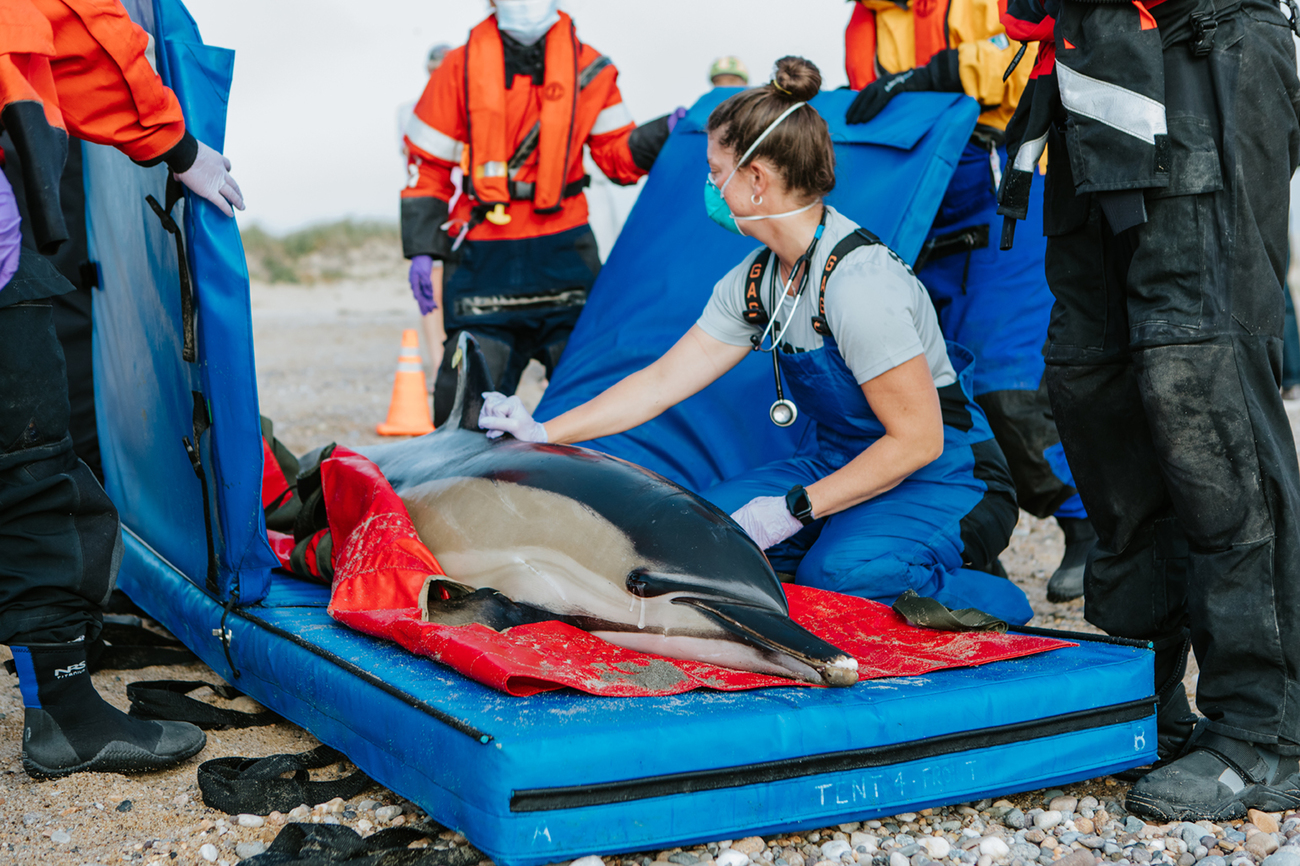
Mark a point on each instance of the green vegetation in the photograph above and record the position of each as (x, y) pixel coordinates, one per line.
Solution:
(313, 253)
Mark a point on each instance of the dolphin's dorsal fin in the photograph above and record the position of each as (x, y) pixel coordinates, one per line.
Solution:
(472, 380)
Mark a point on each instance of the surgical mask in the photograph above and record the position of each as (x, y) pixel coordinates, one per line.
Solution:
(527, 20)
(716, 205)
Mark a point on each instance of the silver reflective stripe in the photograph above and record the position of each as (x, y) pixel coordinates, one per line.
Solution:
(1029, 154)
(1119, 108)
(433, 142)
(614, 117)
(494, 169)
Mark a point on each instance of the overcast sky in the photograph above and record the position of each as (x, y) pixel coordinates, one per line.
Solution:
(312, 130)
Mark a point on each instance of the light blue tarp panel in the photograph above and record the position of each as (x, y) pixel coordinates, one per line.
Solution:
(891, 173)
(143, 388)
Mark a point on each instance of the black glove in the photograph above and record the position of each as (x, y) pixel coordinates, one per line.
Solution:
(940, 74)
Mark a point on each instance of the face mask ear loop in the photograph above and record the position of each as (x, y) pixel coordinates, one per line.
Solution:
(771, 126)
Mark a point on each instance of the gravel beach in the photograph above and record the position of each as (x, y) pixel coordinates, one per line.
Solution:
(326, 355)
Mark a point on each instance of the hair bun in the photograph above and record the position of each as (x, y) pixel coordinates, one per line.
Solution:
(796, 79)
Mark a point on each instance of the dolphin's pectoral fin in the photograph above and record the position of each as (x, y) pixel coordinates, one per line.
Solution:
(782, 635)
(483, 606)
(472, 379)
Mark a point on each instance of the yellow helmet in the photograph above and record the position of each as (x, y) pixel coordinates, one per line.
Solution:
(729, 66)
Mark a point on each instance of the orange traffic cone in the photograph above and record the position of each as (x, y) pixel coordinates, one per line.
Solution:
(408, 412)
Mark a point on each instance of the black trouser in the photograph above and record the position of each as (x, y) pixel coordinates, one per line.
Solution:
(507, 351)
(59, 538)
(1163, 368)
(1023, 424)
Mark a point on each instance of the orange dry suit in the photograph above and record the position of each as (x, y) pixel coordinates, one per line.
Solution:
(81, 66)
(515, 119)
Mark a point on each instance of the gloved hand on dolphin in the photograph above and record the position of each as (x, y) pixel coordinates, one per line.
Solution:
(767, 520)
(502, 414)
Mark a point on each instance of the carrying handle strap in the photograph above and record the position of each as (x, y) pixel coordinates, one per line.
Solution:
(201, 422)
(189, 312)
(255, 786)
(169, 700)
(338, 845)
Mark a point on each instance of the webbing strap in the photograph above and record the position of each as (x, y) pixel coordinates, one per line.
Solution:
(169, 700)
(254, 786)
(860, 238)
(339, 845)
(201, 422)
(755, 312)
(189, 312)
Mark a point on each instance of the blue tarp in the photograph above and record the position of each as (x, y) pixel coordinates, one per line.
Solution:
(892, 175)
(144, 391)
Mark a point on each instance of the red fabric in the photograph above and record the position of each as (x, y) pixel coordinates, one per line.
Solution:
(380, 567)
(274, 484)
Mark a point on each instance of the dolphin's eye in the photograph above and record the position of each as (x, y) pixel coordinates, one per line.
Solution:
(637, 583)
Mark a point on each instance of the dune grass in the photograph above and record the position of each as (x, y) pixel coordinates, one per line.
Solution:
(284, 258)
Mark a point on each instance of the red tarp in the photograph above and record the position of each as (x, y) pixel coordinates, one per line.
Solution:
(380, 565)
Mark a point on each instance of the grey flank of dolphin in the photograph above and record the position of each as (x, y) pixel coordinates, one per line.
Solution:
(529, 533)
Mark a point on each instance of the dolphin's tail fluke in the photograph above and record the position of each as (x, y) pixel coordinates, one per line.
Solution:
(781, 636)
(472, 380)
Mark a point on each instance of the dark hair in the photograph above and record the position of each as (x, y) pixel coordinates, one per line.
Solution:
(800, 148)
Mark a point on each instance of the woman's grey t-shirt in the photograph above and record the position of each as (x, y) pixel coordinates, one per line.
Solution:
(879, 313)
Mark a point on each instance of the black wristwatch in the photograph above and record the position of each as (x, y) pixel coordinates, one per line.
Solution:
(799, 504)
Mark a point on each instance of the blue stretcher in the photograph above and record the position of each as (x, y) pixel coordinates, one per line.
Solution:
(540, 779)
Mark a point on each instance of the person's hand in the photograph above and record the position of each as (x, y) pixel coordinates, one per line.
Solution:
(502, 414)
(421, 278)
(767, 520)
(210, 178)
(940, 74)
(11, 237)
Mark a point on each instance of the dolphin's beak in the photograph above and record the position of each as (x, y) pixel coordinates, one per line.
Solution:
(781, 635)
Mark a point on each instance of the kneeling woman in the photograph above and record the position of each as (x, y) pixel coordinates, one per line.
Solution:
(902, 483)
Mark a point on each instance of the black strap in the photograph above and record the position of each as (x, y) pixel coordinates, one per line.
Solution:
(124, 644)
(339, 845)
(860, 238)
(953, 243)
(201, 422)
(189, 326)
(169, 700)
(254, 786)
(525, 190)
(755, 313)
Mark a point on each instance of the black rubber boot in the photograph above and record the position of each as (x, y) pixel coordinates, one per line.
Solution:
(69, 728)
(1218, 781)
(1067, 581)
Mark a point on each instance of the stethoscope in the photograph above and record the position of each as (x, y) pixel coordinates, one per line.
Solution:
(783, 412)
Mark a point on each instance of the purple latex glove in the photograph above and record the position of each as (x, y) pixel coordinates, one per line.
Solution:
(421, 278)
(673, 118)
(209, 177)
(767, 520)
(502, 414)
(11, 239)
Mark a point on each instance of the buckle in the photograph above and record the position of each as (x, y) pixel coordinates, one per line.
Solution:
(1203, 28)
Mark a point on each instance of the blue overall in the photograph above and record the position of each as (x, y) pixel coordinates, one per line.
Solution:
(906, 538)
(997, 304)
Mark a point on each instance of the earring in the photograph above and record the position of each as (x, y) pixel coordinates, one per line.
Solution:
(755, 201)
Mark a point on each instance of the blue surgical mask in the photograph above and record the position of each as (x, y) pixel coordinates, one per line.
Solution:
(716, 206)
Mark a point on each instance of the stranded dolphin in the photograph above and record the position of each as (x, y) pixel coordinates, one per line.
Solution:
(533, 532)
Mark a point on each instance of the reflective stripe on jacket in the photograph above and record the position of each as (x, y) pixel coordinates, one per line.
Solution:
(468, 117)
(884, 36)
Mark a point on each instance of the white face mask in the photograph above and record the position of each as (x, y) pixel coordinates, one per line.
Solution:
(527, 20)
